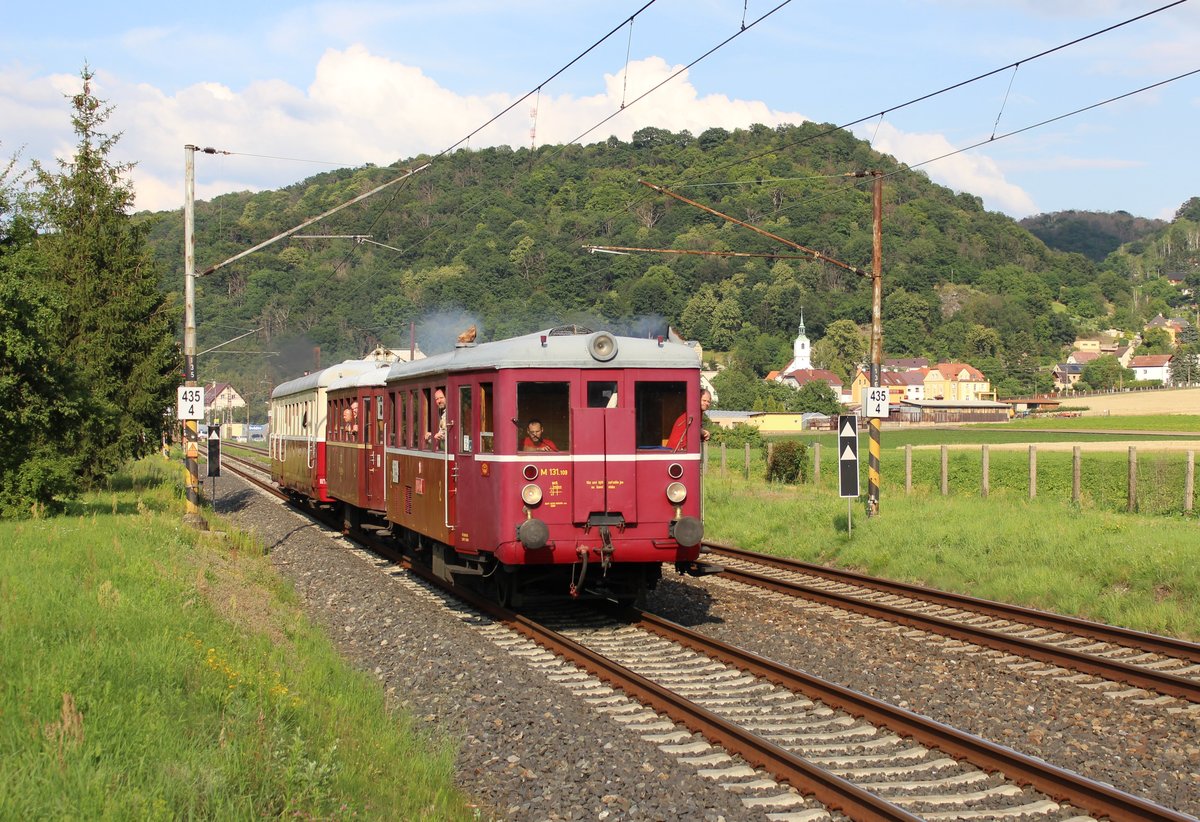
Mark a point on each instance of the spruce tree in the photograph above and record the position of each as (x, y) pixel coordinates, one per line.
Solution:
(116, 328)
(39, 395)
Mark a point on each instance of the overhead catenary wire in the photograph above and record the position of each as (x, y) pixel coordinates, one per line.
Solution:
(1014, 65)
(551, 155)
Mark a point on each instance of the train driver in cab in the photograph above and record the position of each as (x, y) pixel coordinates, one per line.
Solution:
(536, 439)
(677, 440)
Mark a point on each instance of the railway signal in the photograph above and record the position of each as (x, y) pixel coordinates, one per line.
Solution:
(847, 450)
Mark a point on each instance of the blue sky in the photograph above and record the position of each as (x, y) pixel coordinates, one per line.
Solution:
(340, 84)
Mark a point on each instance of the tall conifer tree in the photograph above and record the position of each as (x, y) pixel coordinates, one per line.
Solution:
(116, 327)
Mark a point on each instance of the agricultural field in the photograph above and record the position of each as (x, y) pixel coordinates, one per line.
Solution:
(1093, 558)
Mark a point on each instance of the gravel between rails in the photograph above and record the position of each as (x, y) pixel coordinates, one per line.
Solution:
(1107, 733)
(529, 749)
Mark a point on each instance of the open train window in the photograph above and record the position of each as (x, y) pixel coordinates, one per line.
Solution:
(426, 436)
(659, 406)
(487, 436)
(547, 407)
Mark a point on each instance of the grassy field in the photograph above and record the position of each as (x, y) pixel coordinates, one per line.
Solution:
(151, 672)
(1092, 560)
(1177, 423)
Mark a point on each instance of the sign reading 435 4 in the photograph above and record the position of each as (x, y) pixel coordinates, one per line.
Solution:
(190, 403)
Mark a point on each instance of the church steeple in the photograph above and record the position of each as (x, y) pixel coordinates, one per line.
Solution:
(801, 352)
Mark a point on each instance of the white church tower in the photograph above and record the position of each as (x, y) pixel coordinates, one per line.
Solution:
(801, 351)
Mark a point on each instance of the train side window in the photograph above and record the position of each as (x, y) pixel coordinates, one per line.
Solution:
(426, 399)
(379, 418)
(487, 444)
(464, 419)
(659, 406)
(399, 426)
(413, 421)
(602, 394)
(392, 399)
(550, 404)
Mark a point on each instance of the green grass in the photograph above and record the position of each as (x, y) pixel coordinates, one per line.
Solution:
(1133, 570)
(148, 671)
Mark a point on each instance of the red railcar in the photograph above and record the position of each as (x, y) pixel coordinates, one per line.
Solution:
(611, 494)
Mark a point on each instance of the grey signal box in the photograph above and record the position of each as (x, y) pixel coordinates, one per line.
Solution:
(848, 455)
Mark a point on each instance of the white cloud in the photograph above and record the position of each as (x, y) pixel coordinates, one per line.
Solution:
(970, 171)
(360, 108)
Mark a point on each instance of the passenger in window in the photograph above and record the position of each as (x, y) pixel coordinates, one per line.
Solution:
(439, 436)
(535, 438)
(679, 431)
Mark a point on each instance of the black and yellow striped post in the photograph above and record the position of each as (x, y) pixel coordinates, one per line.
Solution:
(876, 342)
(873, 466)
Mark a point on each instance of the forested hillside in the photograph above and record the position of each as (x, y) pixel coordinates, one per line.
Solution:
(495, 236)
(1094, 234)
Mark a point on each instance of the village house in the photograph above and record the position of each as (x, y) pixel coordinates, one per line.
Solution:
(220, 399)
(1066, 374)
(956, 382)
(1174, 326)
(896, 386)
(1152, 367)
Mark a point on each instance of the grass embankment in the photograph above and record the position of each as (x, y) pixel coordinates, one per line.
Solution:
(1134, 570)
(149, 671)
(1167, 423)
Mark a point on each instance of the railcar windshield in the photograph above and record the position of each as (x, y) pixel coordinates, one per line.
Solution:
(661, 412)
(602, 394)
(544, 416)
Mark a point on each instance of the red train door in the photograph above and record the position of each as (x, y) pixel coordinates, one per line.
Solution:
(373, 411)
(603, 438)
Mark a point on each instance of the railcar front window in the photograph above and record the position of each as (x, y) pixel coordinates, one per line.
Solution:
(661, 414)
(602, 394)
(543, 416)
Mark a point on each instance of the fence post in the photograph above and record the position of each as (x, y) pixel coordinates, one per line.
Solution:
(770, 454)
(945, 470)
(704, 447)
(1132, 479)
(1032, 471)
(747, 460)
(1189, 482)
(908, 469)
(1075, 474)
(722, 456)
(986, 477)
(816, 463)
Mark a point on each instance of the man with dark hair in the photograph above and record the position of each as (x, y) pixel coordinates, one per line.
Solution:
(535, 438)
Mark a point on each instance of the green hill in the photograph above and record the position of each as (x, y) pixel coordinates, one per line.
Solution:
(494, 237)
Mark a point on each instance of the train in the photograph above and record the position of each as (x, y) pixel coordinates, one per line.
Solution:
(559, 464)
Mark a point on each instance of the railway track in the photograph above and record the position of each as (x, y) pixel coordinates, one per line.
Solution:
(776, 736)
(1163, 665)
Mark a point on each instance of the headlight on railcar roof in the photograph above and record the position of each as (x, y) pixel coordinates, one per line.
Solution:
(531, 494)
(676, 492)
